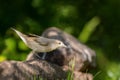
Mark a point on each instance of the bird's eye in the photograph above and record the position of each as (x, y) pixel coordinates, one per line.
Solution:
(59, 43)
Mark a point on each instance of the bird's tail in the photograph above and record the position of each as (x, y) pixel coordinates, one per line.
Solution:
(21, 35)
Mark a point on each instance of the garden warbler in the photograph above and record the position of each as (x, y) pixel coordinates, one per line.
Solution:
(40, 44)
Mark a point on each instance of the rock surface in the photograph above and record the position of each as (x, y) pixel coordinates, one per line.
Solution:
(77, 58)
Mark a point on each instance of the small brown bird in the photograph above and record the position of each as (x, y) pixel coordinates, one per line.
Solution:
(40, 44)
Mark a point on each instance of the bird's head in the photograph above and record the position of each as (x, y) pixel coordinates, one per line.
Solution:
(60, 43)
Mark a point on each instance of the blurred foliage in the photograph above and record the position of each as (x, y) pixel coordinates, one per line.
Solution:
(94, 22)
(88, 29)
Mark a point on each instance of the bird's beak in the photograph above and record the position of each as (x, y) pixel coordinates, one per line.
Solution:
(64, 46)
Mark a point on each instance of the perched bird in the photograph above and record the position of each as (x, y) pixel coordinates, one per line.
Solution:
(40, 44)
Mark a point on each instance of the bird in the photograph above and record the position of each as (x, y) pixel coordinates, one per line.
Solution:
(40, 44)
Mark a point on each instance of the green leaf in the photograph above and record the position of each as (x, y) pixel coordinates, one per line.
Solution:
(88, 29)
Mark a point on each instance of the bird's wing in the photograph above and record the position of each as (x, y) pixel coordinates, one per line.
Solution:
(32, 35)
(42, 41)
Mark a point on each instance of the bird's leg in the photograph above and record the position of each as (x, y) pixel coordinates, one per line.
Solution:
(36, 54)
(44, 55)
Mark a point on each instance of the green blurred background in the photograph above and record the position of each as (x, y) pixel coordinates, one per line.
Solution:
(94, 22)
